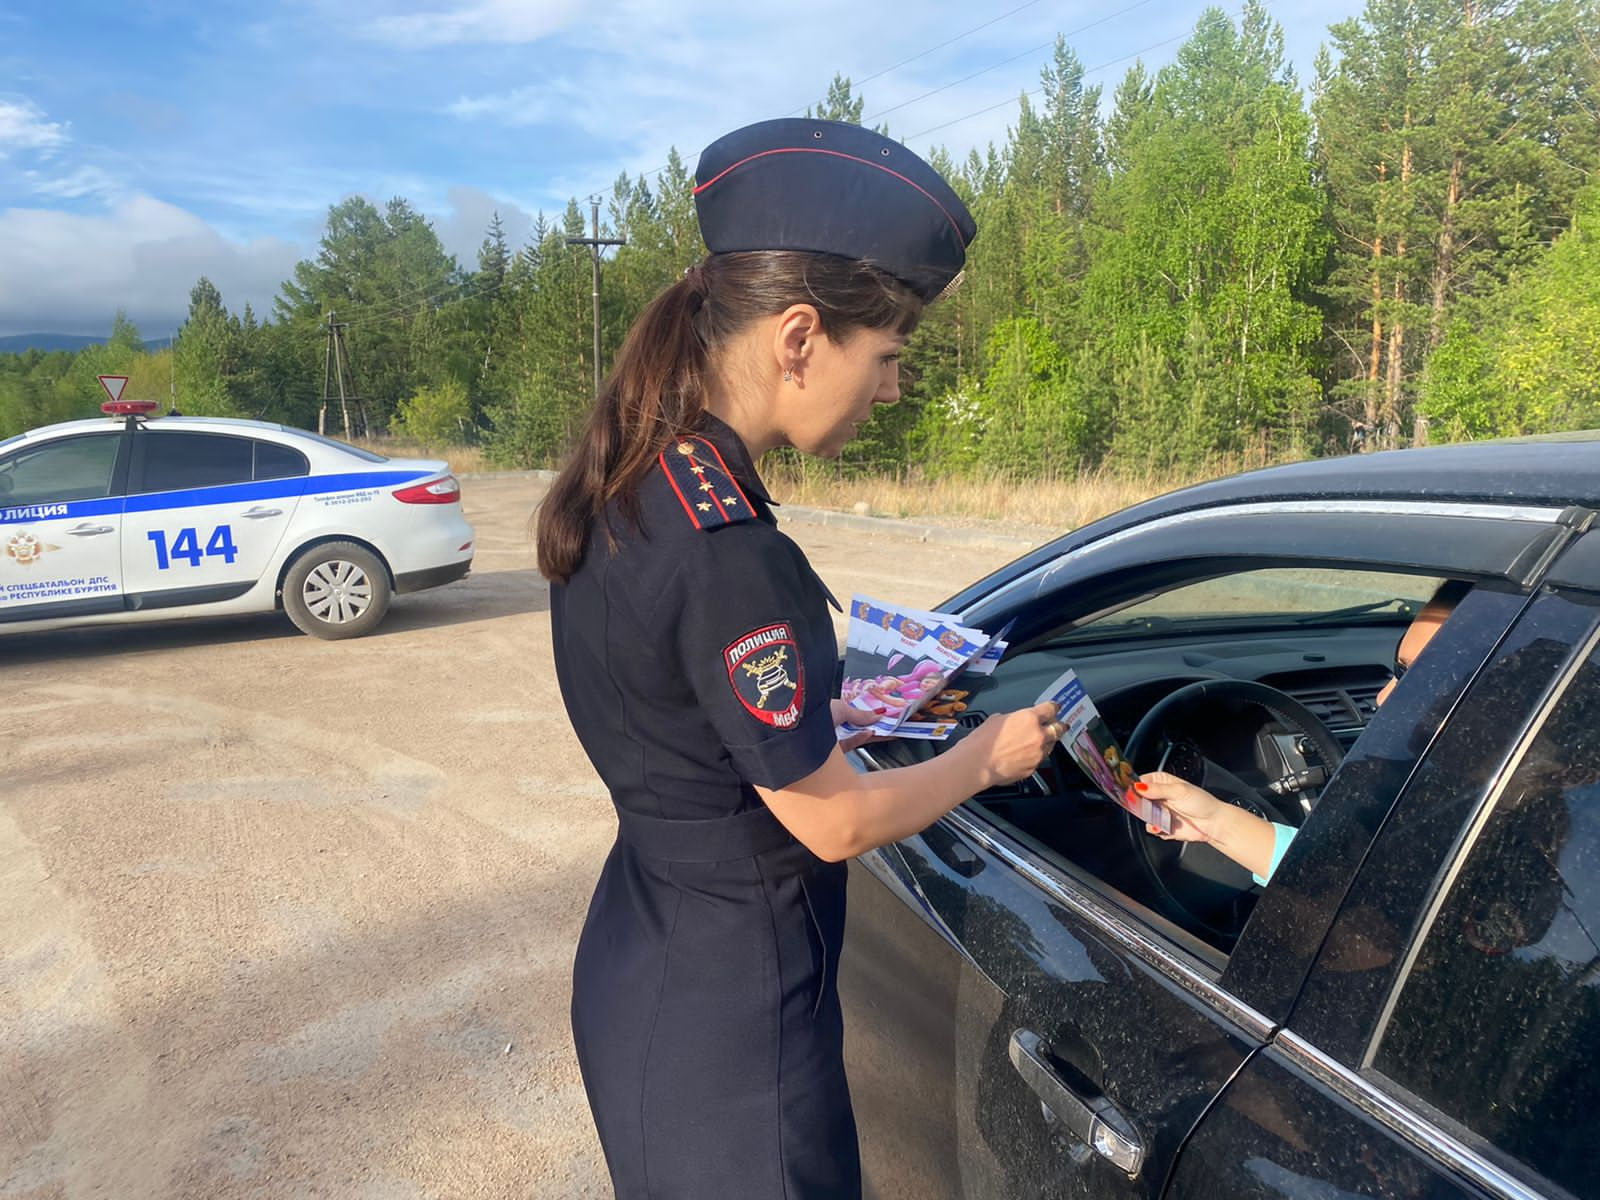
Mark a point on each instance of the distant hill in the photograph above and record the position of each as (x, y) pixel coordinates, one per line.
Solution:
(16, 343)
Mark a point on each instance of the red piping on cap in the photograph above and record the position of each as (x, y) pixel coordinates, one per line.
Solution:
(837, 154)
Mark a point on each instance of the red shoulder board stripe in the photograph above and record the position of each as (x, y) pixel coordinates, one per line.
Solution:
(704, 486)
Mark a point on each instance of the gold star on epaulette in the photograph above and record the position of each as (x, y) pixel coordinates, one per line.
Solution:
(730, 500)
(708, 487)
(697, 468)
(703, 506)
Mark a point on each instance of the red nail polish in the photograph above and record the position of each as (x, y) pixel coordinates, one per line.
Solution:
(1142, 786)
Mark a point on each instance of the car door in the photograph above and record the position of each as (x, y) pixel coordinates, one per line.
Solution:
(60, 527)
(1447, 1040)
(205, 514)
(1054, 1038)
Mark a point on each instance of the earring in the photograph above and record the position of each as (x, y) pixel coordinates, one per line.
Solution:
(788, 374)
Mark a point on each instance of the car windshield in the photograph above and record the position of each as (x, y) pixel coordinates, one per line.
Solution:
(1274, 596)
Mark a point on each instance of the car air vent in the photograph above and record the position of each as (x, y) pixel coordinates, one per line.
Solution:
(1329, 705)
(1365, 698)
(971, 719)
(1344, 709)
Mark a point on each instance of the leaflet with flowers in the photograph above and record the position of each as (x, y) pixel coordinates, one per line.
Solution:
(901, 663)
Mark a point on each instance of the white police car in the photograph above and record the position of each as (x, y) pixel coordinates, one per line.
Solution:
(136, 520)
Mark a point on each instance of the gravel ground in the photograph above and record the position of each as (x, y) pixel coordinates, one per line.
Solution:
(288, 918)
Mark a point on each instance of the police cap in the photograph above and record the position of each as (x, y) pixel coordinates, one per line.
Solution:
(832, 188)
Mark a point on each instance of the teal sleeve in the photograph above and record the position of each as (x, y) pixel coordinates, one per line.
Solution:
(1282, 835)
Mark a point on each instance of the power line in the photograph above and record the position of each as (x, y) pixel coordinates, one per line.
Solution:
(412, 308)
(947, 42)
(1087, 72)
(923, 54)
(1007, 61)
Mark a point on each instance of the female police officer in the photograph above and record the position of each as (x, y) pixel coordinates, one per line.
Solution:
(696, 655)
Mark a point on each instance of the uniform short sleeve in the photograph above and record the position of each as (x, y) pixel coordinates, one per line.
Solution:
(754, 639)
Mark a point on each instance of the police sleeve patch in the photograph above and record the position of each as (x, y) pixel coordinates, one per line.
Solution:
(766, 673)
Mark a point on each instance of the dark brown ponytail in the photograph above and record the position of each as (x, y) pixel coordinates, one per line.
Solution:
(656, 389)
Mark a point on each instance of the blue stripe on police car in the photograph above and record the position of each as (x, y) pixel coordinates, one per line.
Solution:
(233, 493)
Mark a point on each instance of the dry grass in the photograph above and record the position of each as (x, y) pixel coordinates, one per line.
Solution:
(460, 458)
(1050, 504)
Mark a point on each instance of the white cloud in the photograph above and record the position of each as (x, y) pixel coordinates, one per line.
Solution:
(23, 127)
(461, 231)
(70, 272)
(503, 22)
(75, 184)
(521, 106)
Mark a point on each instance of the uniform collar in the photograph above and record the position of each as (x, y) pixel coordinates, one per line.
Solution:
(732, 448)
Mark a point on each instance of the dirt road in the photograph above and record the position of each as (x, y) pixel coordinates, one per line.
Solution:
(288, 918)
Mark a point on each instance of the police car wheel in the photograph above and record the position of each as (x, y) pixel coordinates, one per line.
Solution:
(336, 590)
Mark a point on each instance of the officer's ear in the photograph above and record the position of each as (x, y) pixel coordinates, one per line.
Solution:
(794, 340)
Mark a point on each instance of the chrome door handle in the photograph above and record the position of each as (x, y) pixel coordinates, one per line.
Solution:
(1094, 1121)
(91, 530)
(255, 514)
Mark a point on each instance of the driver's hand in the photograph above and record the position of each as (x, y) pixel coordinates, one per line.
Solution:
(1195, 811)
(1198, 816)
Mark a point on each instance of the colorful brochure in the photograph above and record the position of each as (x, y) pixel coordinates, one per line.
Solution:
(899, 663)
(1089, 741)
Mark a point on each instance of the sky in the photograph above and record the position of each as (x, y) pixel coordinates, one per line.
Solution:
(146, 143)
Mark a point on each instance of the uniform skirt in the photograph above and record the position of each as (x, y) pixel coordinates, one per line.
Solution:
(706, 1016)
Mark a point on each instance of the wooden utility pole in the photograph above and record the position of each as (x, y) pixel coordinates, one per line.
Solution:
(594, 242)
(336, 370)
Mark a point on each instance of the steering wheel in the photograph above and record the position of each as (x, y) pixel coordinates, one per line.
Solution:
(1197, 885)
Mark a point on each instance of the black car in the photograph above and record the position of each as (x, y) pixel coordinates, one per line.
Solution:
(1042, 1000)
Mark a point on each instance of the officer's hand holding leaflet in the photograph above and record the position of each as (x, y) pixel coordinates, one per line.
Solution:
(858, 720)
(838, 812)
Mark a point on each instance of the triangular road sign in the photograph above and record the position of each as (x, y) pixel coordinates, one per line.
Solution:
(113, 385)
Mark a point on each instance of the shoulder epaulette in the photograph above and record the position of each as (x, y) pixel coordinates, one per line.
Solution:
(707, 489)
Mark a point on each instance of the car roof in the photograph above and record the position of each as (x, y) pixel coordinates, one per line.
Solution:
(1545, 470)
(1542, 471)
(96, 424)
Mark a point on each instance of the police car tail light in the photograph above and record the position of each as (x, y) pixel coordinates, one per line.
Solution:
(437, 491)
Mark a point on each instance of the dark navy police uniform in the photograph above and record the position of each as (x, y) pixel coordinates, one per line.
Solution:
(697, 660)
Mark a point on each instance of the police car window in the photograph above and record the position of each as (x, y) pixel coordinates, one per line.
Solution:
(176, 461)
(1497, 1022)
(278, 462)
(77, 468)
(346, 447)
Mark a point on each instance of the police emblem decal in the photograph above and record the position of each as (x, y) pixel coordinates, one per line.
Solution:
(26, 549)
(766, 673)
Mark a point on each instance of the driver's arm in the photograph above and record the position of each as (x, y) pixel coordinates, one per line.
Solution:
(1256, 844)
